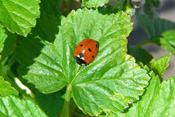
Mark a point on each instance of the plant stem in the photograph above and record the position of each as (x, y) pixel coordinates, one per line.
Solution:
(7, 78)
(65, 110)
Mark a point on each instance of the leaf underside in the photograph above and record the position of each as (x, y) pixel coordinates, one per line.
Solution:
(154, 28)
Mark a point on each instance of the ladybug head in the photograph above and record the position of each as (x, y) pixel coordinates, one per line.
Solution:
(80, 61)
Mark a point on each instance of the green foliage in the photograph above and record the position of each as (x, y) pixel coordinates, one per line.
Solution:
(159, 97)
(154, 27)
(9, 45)
(40, 77)
(58, 68)
(6, 89)
(51, 104)
(167, 41)
(13, 106)
(140, 54)
(159, 66)
(19, 16)
(158, 100)
(94, 3)
(3, 36)
(157, 31)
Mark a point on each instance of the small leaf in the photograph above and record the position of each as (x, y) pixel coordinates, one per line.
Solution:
(6, 88)
(169, 36)
(104, 84)
(158, 100)
(94, 3)
(139, 54)
(154, 28)
(13, 106)
(167, 41)
(3, 36)
(159, 66)
(19, 16)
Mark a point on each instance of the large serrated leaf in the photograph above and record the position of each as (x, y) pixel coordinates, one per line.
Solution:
(94, 3)
(154, 28)
(6, 88)
(107, 79)
(18, 15)
(13, 106)
(3, 36)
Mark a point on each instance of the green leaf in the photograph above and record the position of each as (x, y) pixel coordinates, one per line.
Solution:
(6, 88)
(94, 3)
(30, 47)
(110, 76)
(9, 45)
(49, 29)
(154, 28)
(19, 16)
(158, 100)
(13, 106)
(50, 8)
(167, 41)
(159, 66)
(51, 104)
(3, 36)
(50, 17)
(115, 2)
(139, 54)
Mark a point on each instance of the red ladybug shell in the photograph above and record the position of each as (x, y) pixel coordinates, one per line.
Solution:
(86, 51)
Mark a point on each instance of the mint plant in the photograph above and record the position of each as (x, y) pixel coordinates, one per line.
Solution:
(40, 77)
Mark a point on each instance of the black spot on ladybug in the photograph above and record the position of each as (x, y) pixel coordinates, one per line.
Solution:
(89, 50)
(81, 55)
(93, 56)
(81, 45)
(97, 45)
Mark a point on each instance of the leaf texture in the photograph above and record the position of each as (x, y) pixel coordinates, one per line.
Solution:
(13, 106)
(18, 15)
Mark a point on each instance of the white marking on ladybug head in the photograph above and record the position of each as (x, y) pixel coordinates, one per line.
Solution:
(83, 64)
(83, 51)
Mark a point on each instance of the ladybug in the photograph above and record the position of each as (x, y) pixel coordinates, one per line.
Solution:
(86, 51)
